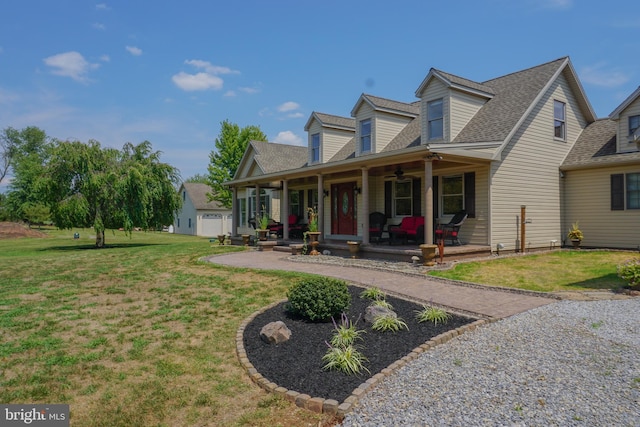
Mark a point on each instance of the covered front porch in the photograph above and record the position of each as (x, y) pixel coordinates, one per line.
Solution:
(412, 183)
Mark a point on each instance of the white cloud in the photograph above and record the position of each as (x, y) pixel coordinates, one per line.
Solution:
(288, 106)
(102, 6)
(99, 26)
(289, 138)
(105, 58)
(200, 81)
(135, 51)
(599, 76)
(295, 115)
(210, 68)
(70, 64)
(230, 93)
(249, 90)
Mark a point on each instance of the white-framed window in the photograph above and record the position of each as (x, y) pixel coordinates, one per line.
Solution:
(294, 202)
(435, 119)
(315, 148)
(365, 136)
(634, 124)
(559, 122)
(265, 200)
(243, 211)
(403, 198)
(452, 194)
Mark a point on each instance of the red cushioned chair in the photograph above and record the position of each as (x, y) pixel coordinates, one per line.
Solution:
(452, 228)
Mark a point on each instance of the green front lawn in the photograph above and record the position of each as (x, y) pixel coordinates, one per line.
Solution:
(566, 270)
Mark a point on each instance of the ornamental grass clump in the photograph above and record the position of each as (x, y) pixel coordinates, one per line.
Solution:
(342, 354)
(630, 271)
(345, 333)
(318, 298)
(388, 323)
(433, 314)
(346, 359)
(373, 294)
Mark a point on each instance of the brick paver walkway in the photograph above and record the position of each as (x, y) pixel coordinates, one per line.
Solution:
(482, 301)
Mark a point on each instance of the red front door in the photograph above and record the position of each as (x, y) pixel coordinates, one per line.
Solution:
(343, 211)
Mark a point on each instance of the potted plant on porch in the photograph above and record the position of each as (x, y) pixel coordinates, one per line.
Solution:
(262, 226)
(313, 232)
(575, 235)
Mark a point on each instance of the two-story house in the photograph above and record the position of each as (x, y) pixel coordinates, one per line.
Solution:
(523, 142)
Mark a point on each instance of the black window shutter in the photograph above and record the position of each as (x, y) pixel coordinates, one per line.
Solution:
(470, 194)
(617, 192)
(301, 209)
(417, 206)
(388, 208)
(436, 198)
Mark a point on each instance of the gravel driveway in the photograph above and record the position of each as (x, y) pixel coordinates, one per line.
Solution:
(565, 364)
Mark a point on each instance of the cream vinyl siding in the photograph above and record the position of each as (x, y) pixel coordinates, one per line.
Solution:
(529, 174)
(475, 231)
(388, 126)
(331, 141)
(435, 90)
(363, 113)
(624, 143)
(463, 107)
(588, 201)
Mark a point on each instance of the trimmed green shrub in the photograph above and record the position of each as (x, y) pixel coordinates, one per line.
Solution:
(318, 298)
(630, 271)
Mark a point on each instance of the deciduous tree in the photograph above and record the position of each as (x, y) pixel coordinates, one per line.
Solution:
(225, 159)
(87, 185)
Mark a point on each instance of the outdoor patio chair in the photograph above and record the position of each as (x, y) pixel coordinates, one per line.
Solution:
(452, 228)
(377, 221)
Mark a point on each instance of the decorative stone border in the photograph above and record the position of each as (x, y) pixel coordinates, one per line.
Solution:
(331, 406)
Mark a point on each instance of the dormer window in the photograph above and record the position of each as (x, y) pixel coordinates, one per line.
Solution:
(634, 124)
(435, 119)
(559, 124)
(315, 148)
(365, 136)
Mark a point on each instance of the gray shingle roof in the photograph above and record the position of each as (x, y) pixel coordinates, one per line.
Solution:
(597, 146)
(409, 136)
(330, 120)
(272, 157)
(460, 81)
(378, 103)
(514, 93)
(198, 194)
(348, 151)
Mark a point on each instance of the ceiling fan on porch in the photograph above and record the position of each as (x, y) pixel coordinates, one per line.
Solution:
(399, 175)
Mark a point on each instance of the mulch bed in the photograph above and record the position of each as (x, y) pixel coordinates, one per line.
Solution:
(13, 230)
(297, 364)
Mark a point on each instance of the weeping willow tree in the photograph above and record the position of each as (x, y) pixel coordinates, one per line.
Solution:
(87, 185)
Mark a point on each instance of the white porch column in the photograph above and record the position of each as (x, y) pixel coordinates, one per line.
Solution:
(235, 217)
(258, 213)
(428, 201)
(321, 206)
(284, 209)
(365, 206)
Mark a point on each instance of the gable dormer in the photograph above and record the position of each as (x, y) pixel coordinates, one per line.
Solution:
(379, 121)
(447, 104)
(627, 118)
(326, 135)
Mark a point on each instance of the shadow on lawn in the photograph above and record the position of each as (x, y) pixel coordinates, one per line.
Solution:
(609, 281)
(84, 247)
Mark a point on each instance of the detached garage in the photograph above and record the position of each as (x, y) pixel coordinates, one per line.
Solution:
(199, 216)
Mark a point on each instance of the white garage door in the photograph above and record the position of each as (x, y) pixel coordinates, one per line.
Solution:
(215, 224)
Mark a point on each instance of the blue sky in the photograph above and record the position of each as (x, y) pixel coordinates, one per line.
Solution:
(171, 71)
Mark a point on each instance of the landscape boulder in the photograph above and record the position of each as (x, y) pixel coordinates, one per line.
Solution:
(372, 312)
(275, 332)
